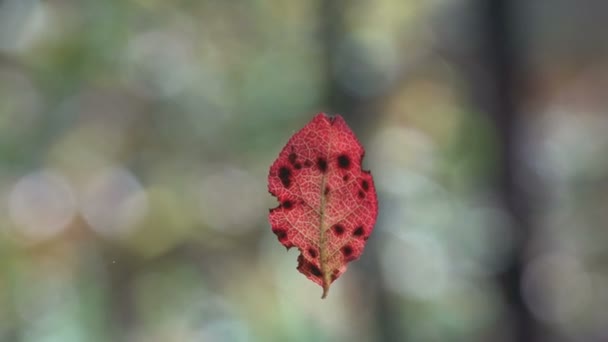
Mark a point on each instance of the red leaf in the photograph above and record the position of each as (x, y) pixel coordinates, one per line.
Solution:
(328, 205)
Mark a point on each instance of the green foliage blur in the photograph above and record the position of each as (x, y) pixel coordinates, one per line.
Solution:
(135, 141)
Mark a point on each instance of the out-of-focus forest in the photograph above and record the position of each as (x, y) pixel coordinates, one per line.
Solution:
(136, 137)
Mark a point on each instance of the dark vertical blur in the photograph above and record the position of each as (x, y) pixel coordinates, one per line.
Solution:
(496, 93)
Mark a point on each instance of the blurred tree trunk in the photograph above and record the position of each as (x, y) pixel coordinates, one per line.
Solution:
(496, 92)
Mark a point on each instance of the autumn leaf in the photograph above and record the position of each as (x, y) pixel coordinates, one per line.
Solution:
(327, 203)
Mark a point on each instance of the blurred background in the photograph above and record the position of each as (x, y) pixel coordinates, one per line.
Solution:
(136, 137)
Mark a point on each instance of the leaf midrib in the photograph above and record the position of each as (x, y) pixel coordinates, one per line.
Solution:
(322, 229)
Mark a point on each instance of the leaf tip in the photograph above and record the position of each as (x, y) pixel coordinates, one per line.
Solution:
(325, 291)
(330, 118)
(326, 283)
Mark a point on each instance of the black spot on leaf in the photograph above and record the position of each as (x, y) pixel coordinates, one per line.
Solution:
(358, 231)
(280, 233)
(343, 161)
(365, 185)
(287, 204)
(361, 194)
(312, 252)
(306, 267)
(322, 164)
(285, 176)
(338, 229)
(315, 271)
(347, 251)
(326, 192)
(297, 166)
